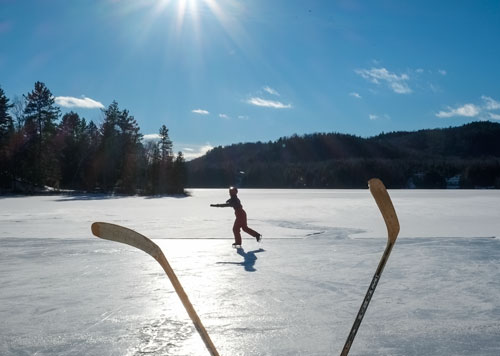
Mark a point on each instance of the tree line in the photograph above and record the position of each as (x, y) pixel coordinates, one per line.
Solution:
(39, 147)
(461, 157)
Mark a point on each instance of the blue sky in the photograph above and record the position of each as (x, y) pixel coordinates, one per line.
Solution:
(218, 72)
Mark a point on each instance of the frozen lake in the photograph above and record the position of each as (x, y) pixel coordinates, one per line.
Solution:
(65, 292)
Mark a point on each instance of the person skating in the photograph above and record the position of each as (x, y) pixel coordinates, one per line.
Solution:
(241, 217)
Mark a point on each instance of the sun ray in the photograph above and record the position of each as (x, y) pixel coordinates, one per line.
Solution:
(181, 12)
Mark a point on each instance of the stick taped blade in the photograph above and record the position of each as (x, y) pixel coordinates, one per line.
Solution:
(127, 236)
(384, 203)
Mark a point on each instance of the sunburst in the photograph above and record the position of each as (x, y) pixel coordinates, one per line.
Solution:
(179, 17)
(185, 8)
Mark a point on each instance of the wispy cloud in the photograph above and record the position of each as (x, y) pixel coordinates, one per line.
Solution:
(398, 83)
(223, 116)
(494, 116)
(200, 112)
(472, 110)
(268, 103)
(378, 117)
(271, 91)
(195, 151)
(83, 102)
(467, 110)
(490, 103)
(355, 95)
(442, 72)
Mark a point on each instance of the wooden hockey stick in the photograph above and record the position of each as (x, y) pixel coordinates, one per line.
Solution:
(384, 203)
(130, 237)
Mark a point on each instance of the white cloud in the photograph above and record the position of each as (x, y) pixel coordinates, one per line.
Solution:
(151, 137)
(200, 112)
(483, 111)
(356, 95)
(398, 83)
(223, 116)
(268, 103)
(194, 151)
(467, 110)
(83, 102)
(442, 72)
(271, 91)
(494, 116)
(490, 103)
(400, 88)
(374, 117)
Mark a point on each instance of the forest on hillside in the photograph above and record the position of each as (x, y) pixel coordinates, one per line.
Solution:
(457, 157)
(40, 149)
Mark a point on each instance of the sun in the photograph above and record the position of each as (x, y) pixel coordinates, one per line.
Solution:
(193, 24)
(183, 8)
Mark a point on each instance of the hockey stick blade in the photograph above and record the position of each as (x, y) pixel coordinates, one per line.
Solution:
(121, 234)
(130, 237)
(384, 203)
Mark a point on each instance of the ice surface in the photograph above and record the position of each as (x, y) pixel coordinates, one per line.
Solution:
(65, 292)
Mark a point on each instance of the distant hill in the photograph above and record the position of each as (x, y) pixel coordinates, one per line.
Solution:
(467, 157)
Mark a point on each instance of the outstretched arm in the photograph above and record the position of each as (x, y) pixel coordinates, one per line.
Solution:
(225, 205)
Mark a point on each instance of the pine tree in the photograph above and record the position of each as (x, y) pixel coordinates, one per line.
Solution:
(153, 161)
(92, 141)
(120, 150)
(6, 132)
(40, 116)
(6, 123)
(165, 145)
(179, 174)
(73, 146)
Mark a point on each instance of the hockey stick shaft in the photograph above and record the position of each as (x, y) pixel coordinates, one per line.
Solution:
(187, 304)
(384, 203)
(121, 234)
(366, 301)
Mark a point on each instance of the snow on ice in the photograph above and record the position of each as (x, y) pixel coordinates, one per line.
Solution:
(65, 292)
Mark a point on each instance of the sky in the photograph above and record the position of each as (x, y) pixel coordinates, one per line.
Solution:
(218, 72)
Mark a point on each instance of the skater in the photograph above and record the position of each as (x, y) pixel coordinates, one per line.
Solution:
(241, 217)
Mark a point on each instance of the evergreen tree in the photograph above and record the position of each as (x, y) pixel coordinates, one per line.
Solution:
(165, 145)
(6, 132)
(153, 162)
(92, 141)
(6, 123)
(73, 146)
(120, 150)
(40, 116)
(179, 174)
(165, 172)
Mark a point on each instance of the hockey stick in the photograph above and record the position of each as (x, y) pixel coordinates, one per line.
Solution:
(391, 221)
(130, 237)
